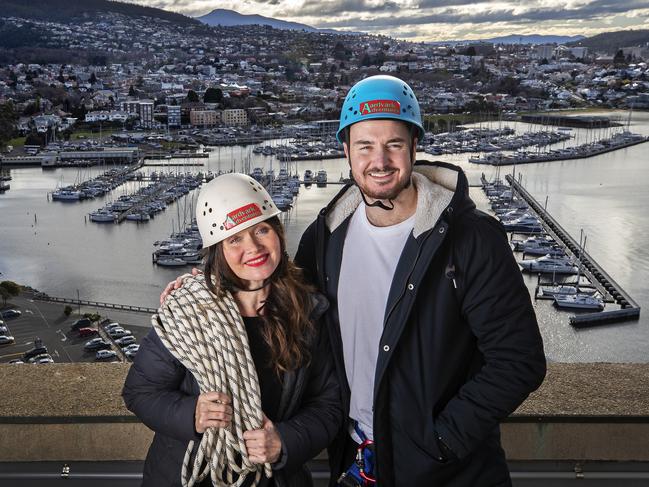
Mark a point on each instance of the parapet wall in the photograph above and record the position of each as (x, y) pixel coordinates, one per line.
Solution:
(582, 412)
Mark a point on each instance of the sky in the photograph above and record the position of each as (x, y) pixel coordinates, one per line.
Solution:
(438, 20)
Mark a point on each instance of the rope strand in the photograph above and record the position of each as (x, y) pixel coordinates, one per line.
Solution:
(207, 335)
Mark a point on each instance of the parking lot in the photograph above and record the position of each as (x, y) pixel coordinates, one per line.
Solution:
(47, 322)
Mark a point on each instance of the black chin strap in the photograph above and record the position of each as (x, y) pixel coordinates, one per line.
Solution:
(378, 203)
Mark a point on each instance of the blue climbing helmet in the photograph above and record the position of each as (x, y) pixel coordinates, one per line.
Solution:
(380, 97)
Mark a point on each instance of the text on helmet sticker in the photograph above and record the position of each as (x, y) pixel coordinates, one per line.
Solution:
(240, 215)
(380, 106)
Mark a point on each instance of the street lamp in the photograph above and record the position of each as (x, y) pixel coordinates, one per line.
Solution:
(79, 302)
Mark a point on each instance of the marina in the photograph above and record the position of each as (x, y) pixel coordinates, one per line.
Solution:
(600, 279)
(618, 141)
(604, 195)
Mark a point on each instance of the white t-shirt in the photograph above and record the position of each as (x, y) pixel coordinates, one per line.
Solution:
(370, 257)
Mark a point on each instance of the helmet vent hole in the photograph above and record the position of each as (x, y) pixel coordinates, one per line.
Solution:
(254, 189)
(213, 225)
(403, 110)
(210, 210)
(206, 204)
(409, 107)
(351, 108)
(412, 96)
(204, 213)
(345, 117)
(353, 95)
(220, 228)
(355, 112)
(263, 207)
(211, 232)
(405, 94)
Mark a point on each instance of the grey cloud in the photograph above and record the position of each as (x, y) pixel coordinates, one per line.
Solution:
(337, 7)
(594, 10)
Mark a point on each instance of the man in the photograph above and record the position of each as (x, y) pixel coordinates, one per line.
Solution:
(433, 333)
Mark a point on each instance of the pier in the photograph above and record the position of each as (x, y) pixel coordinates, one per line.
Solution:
(94, 304)
(600, 279)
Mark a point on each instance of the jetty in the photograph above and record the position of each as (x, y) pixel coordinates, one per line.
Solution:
(600, 279)
(94, 304)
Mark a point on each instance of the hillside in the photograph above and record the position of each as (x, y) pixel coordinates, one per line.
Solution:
(611, 42)
(72, 10)
(228, 18)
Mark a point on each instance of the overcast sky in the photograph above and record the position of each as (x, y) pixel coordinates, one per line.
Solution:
(434, 20)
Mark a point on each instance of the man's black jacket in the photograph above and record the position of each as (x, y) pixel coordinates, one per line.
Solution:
(460, 348)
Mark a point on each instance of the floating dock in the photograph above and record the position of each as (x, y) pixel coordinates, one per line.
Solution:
(600, 279)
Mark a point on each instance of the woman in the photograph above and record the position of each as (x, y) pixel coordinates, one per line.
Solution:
(246, 264)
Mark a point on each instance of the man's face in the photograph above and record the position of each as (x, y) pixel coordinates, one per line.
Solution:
(380, 153)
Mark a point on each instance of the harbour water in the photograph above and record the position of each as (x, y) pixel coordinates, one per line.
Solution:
(53, 247)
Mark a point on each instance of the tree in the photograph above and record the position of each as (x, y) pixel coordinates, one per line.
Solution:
(213, 95)
(67, 311)
(131, 91)
(619, 59)
(93, 78)
(192, 96)
(8, 289)
(8, 118)
(470, 51)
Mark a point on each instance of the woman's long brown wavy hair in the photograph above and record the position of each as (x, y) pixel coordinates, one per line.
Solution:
(286, 326)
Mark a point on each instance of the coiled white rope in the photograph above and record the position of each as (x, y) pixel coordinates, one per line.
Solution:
(207, 335)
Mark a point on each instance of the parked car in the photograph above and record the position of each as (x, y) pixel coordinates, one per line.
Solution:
(110, 326)
(34, 352)
(10, 313)
(16, 361)
(80, 323)
(119, 332)
(3, 330)
(131, 347)
(41, 358)
(105, 355)
(96, 344)
(6, 339)
(131, 353)
(86, 332)
(125, 340)
(45, 360)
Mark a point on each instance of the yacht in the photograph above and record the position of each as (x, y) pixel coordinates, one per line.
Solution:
(524, 224)
(579, 301)
(321, 178)
(66, 195)
(103, 215)
(308, 176)
(549, 265)
(564, 290)
(538, 246)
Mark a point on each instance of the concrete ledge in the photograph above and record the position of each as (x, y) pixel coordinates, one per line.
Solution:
(582, 412)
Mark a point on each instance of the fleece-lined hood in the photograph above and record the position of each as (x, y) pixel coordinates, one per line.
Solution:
(442, 189)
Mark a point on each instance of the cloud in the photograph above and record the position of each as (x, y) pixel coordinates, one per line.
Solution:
(337, 7)
(484, 13)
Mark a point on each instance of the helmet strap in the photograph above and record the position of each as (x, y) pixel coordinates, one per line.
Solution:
(378, 203)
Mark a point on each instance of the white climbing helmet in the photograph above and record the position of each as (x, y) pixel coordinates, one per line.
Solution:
(231, 203)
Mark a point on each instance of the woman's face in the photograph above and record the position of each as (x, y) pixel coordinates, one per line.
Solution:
(253, 254)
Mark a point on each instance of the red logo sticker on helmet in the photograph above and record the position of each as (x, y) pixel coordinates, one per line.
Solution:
(241, 215)
(380, 106)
